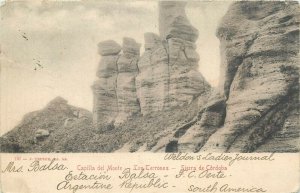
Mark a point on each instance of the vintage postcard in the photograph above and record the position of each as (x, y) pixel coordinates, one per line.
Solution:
(149, 96)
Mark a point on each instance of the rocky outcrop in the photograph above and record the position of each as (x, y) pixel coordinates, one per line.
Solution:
(166, 76)
(153, 79)
(256, 104)
(255, 108)
(260, 49)
(173, 22)
(169, 75)
(114, 92)
(105, 108)
(210, 118)
(259, 82)
(185, 81)
(128, 104)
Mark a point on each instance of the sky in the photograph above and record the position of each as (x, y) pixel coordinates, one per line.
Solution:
(49, 49)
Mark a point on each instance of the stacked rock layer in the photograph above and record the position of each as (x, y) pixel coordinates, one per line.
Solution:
(260, 49)
(128, 104)
(185, 81)
(115, 96)
(164, 77)
(105, 94)
(259, 82)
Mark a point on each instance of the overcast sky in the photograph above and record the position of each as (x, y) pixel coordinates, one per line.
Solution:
(49, 49)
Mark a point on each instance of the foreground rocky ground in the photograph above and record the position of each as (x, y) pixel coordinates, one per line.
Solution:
(70, 129)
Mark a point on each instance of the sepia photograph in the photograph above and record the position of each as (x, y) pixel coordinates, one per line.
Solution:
(149, 76)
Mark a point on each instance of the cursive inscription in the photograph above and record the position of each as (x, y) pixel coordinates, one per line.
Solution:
(12, 168)
(141, 180)
(201, 174)
(237, 158)
(93, 182)
(178, 156)
(215, 187)
(36, 166)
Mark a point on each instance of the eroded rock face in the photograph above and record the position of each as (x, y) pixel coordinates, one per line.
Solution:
(104, 88)
(260, 55)
(108, 47)
(210, 118)
(256, 107)
(168, 70)
(153, 79)
(186, 82)
(128, 104)
(173, 22)
(115, 98)
(164, 77)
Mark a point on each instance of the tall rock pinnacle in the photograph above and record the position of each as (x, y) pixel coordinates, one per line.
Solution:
(164, 77)
(128, 104)
(105, 108)
(173, 21)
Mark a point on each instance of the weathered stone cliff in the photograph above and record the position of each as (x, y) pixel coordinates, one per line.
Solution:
(256, 105)
(128, 104)
(104, 87)
(179, 36)
(259, 80)
(153, 78)
(169, 75)
(166, 76)
(115, 96)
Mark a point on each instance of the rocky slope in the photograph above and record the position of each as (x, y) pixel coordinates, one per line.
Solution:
(60, 127)
(159, 102)
(48, 130)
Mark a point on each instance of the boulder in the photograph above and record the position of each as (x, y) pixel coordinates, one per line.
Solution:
(131, 46)
(108, 47)
(41, 133)
(181, 28)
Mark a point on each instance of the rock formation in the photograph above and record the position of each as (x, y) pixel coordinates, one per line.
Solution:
(128, 104)
(260, 46)
(169, 75)
(210, 118)
(164, 77)
(153, 79)
(114, 92)
(105, 94)
(185, 81)
(256, 104)
(259, 79)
